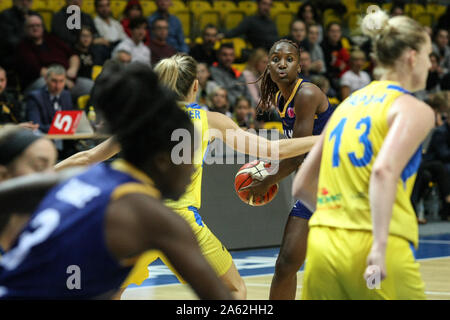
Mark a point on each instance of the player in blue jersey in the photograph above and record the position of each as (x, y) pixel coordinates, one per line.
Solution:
(87, 232)
(304, 111)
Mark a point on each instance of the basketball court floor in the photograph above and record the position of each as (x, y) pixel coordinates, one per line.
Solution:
(257, 267)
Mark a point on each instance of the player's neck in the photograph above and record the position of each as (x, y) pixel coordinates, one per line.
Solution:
(405, 82)
(286, 89)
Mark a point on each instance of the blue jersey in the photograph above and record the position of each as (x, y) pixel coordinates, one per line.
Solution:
(61, 253)
(287, 113)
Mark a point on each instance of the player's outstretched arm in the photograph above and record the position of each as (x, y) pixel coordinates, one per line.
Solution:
(410, 120)
(136, 223)
(23, 194)
(306, 180)
(254, 145)
(99, 153)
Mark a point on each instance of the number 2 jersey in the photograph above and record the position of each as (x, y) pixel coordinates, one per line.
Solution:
(61, 253)
(352, 141)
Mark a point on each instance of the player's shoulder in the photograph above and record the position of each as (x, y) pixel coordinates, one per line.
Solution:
(310, 95)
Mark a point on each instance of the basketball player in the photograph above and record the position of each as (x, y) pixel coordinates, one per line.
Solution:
(100, 221)
(179, 73)
(360, 177)
(21, 153)
(304, 110)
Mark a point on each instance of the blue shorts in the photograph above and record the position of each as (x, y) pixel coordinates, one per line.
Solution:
(299, 210)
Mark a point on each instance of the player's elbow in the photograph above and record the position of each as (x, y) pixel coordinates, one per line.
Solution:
(382, 173)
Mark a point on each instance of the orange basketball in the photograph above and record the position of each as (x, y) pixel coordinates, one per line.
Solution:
(254, 170)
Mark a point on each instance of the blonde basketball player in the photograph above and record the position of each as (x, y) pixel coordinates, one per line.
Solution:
(179, 73)
(360, 176)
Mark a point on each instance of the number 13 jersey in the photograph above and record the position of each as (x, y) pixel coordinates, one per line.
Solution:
(352, 141)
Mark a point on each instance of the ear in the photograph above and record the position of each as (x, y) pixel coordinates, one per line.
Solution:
(195, 86)
(162, 162)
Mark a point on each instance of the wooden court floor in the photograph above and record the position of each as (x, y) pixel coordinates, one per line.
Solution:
(435, 273)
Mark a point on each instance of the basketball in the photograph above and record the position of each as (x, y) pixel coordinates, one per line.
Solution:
(254, 170)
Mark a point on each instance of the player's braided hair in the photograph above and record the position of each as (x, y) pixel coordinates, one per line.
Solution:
(140, 112)
(268, 87)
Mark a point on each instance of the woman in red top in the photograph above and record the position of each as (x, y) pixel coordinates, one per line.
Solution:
(133, 10)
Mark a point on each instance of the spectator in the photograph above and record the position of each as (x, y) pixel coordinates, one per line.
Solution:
(260, 30)
(219, 101)
(315, 50)
(256, 65)
(133, 10)
(37, 51)
(298, 34)
(336, 55)
(108, 28)
(308, 13)
(227, 77)
(42, 104)
(123, 56)
(204, 52)
(135, 45)
(354, 79)
(434, 74)
(176, 34)
(10, 107)
(159, 47)
(397, 9)
(89, 53)
(436, 160)
(441, 48)
(205, 85)
(244, 114)
(324, 84)
(60, 29)
(12, 22)
(305, 64)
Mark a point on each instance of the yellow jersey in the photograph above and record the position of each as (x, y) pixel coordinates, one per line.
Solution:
(352, 140)
(192, 197)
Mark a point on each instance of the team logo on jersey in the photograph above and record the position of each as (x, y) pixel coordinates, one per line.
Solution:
(290, 113)
(329, 201)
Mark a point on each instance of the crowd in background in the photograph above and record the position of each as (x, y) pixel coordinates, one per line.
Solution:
(44, 71)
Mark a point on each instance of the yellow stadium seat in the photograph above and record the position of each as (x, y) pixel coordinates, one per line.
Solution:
(283, 21)
(224, 6)
(40, 4)
(387, 6)
(425, 19)
(56, 5)
(198, 7)
(5, 4)
(117, 8)
(96, 71)
(208, 17)
(436, 10)
(148, 7)
(82, 101)
(414, 9)
(232, 19)
(277, 7)
(249, 7)
(185, 17)
(350, 5)
(273, 125)
(177, 6)
(47, 16)
(293, 6)
(329, 15)
(87, 6)
(353, 21)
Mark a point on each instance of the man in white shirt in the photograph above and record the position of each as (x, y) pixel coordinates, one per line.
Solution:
(354, 79)
(135, 45)
(108, 27)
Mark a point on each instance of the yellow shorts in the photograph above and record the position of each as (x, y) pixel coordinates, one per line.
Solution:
(337, 258)
(213, 250)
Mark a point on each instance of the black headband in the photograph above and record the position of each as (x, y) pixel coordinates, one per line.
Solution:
(16, 144)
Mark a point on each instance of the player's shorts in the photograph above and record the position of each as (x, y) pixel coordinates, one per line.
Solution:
(336, 260)
(299, 210)
(215, 253)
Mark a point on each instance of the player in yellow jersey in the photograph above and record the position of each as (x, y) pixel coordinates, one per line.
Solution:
(360, 176)
(179, 73)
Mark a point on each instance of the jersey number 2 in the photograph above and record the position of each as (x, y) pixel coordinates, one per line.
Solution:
(364, 139)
